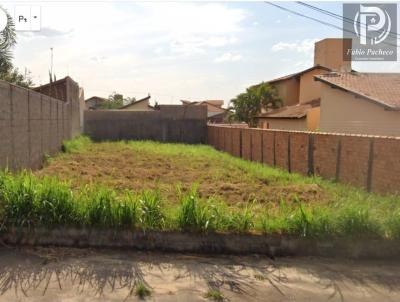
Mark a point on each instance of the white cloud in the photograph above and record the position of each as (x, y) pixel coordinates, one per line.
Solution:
(228, 57)
(130, 46)
(305, 46)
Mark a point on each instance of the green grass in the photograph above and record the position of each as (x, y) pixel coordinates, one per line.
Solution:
(75, 145)
(142, 291)
(214, 295)
(28, 200)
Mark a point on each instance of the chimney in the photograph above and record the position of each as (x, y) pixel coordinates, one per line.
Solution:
(332, 53)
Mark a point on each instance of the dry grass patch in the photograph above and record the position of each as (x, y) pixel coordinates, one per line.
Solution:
(137, 166)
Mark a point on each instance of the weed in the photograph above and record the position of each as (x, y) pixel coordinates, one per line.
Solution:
(142, 291)
(193, 214)
(215, 295)
(76, 145)
(259, 277)
(151, 215)
(240, 221)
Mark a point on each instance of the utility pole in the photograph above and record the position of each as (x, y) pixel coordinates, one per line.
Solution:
(51, 64)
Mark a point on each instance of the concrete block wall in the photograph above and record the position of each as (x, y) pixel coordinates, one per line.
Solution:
(368, 162)
(171, 123)
(32, 124)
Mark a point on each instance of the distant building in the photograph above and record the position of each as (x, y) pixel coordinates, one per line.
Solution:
(139, 105)
(94, 102)
(215, 112)
(360, 103)
(301, 94)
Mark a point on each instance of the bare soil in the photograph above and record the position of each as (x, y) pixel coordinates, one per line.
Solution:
(120, 167)
(55, 274)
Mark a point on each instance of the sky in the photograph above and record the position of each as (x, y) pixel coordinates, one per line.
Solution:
(174, 50)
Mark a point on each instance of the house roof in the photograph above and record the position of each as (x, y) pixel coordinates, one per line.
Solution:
(95, 97)
(136, 102)
(216, 103)
(297, 74)
(212, 106)
(292, 112)
(380, 88)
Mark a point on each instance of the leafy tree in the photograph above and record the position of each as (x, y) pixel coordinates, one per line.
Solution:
(248, 105)
(14, 76)
(7, 71)
(116, 101)
(8, 39)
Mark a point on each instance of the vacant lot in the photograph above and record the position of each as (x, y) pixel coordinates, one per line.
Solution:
(192, 188)
(147, 165)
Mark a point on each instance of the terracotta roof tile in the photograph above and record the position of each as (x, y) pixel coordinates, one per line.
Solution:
(297, 111)
(381, 88)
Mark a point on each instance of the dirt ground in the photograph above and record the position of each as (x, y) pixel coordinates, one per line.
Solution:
(59, 274)
(120, 167)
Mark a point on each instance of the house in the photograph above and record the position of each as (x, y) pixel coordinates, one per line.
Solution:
(215, 112)
(94, 102)
(360, 103)
(301, 94)
(139, 105)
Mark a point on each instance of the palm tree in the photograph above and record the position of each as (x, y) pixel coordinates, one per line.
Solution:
(7, 41)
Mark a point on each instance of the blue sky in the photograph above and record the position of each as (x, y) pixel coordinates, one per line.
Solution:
(174, 50)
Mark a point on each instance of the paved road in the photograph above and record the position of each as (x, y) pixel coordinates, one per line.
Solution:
(46, 274)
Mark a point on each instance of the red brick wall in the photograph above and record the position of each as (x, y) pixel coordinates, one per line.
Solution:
(268, 147)
(228, 140)
(368, 162)
(299, 153)
(236, 142)
(256, 141)
(246, 144)
(386, 166)
(354, 160)
(325, 153)
(281, 149)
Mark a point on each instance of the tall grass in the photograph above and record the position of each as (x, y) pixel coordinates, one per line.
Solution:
(76, 144)
(194, 215)
(29, 201)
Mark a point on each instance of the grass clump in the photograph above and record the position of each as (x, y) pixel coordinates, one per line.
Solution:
(194, 214)
(215, 295)
(26, 200)
(76, 144)
(151, 214)
(142, 291)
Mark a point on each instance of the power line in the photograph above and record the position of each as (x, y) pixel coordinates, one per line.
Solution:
(320, 21)
(339, 17)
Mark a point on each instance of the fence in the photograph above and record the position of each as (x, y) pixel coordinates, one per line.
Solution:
(34, 124)
(369, 162)
(171, 123)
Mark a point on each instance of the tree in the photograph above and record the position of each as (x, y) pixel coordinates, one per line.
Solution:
(114, 101)
(7, 71)
(7, 41)
(248, 105)
(14, 76)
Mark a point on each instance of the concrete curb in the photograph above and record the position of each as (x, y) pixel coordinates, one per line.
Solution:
(217, 243)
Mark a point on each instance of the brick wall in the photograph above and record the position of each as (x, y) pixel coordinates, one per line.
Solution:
(368, 162)
(33, 124)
